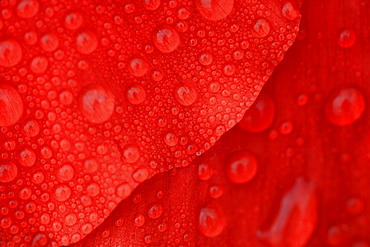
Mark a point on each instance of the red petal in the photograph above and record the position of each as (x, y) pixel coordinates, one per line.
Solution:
(312, 179)
(98, 96)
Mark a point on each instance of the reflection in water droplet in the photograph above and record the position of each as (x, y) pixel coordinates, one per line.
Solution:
(86, 42)
(294, 219)
(214, 10)
(166, 39)
(260, 115)
(97, 103)
(241, 167)
(211, 220)
(345, 107)
(10, 53)
(8, 171)
(11, 105)
(186, 95)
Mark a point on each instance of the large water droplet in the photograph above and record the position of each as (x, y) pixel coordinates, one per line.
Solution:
(205, 171)
(62, 193)
(86, 42)
(289, 11)
(136, 94)
(93, 189)
(130, 154)
(8, 171)
(211, 220)
(73, 21)
(11, 105)
(123, 190)
(345, 107)
(27, 157)
(347, 38)
(31, 128)
(214, 10)
(294, 219)
(27, 8)
(262, 27)
(66, 172)
(49, 42)
(97, 103)
(141, 174)
(171, 139)
(10, 53)
(186, 95)
(39, 65)
(260, 115)
(155, 211)
(138, 67)
(166, 39)
(241, 167)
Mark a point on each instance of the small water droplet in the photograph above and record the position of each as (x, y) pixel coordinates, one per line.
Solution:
(73, 20)
(211, 220)
(206, 59)
(39, 65)
(347, 38)
(152, 4)
(205, 171)
(27, 8)
(62, 193)
(171, 139)
(123, 190)
(138, 66)
(141, 174)
(166, 39)
(49, 42)
(10, 53)
(155, 211)
(93, 189)
(27, 157)
(8, 171)
(289, 11)
(186, 95)
(130, 154)
(86, 42)
(65, 172)
(11, 105)
(241, 167)
(214, 10)
(136, 94)
(345, 107)
(262, 27)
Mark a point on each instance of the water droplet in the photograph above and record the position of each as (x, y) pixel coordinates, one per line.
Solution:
(45, 218)
(345, 107)
(49, 42)
(141, 174)
(241, 167)
(86, 228)
(139, 220)
(93, 189)
(211, 220)
(214, 10)
(355, 206)
(138, 66)
(91, 166)
(27, 8)
(130, 154)
(86, 42)
(10, 53)
(206, 59)
(39, 65)
(294, 219)
(39, 240)
(66, 98)
(155, 211)
(338, 235)
(215, 191)
(38, 177)
(260, 115)
(73, 21)
(262, 27)
(286, 128)
(31, 128)
(123, 190)
(25, 193)
(11, 105)
(97, 103)
(70, 219)
(27, 157)
(166, 39)
(289, 11)
(186, 95)
(8, 171)
(62, 193)
(66, 172)
(347, 38)
(136, 94)
(205, 171)
(152, 4)
(171, 139)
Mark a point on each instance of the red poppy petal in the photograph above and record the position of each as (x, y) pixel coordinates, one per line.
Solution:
(299, 180)
(98, 96)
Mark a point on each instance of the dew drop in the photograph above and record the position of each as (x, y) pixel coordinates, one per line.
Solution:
(86, 228)
(345, 107)
(152, 4)
(31, 128)
(39, 240)
(211, 220)
(214, 10)
(62, 193)
(38, 177)
(139, 220)
(136, 94)
(10, 53)
(206, 59)
(11, 105)
(241, 167)
(347, 38)
(141, 174)
(215, 191)
(166, 39)
(262, 27)
(91, 166)
(130, 154)
(66, 172)
(123, 190)
(86, 42)
(25, 193)
(45, 218)
(49, 42)
(93, 189)
(171, 139)
(138, 66)
(27, 157)
(39, 65)
(155, 211)
(289, 11)
(260, 115)
(8, 171)
(27, 8)
(186, 95)
(73, 21)
(294, 219)
(70, 219)
(205, 171)
(96, 103)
